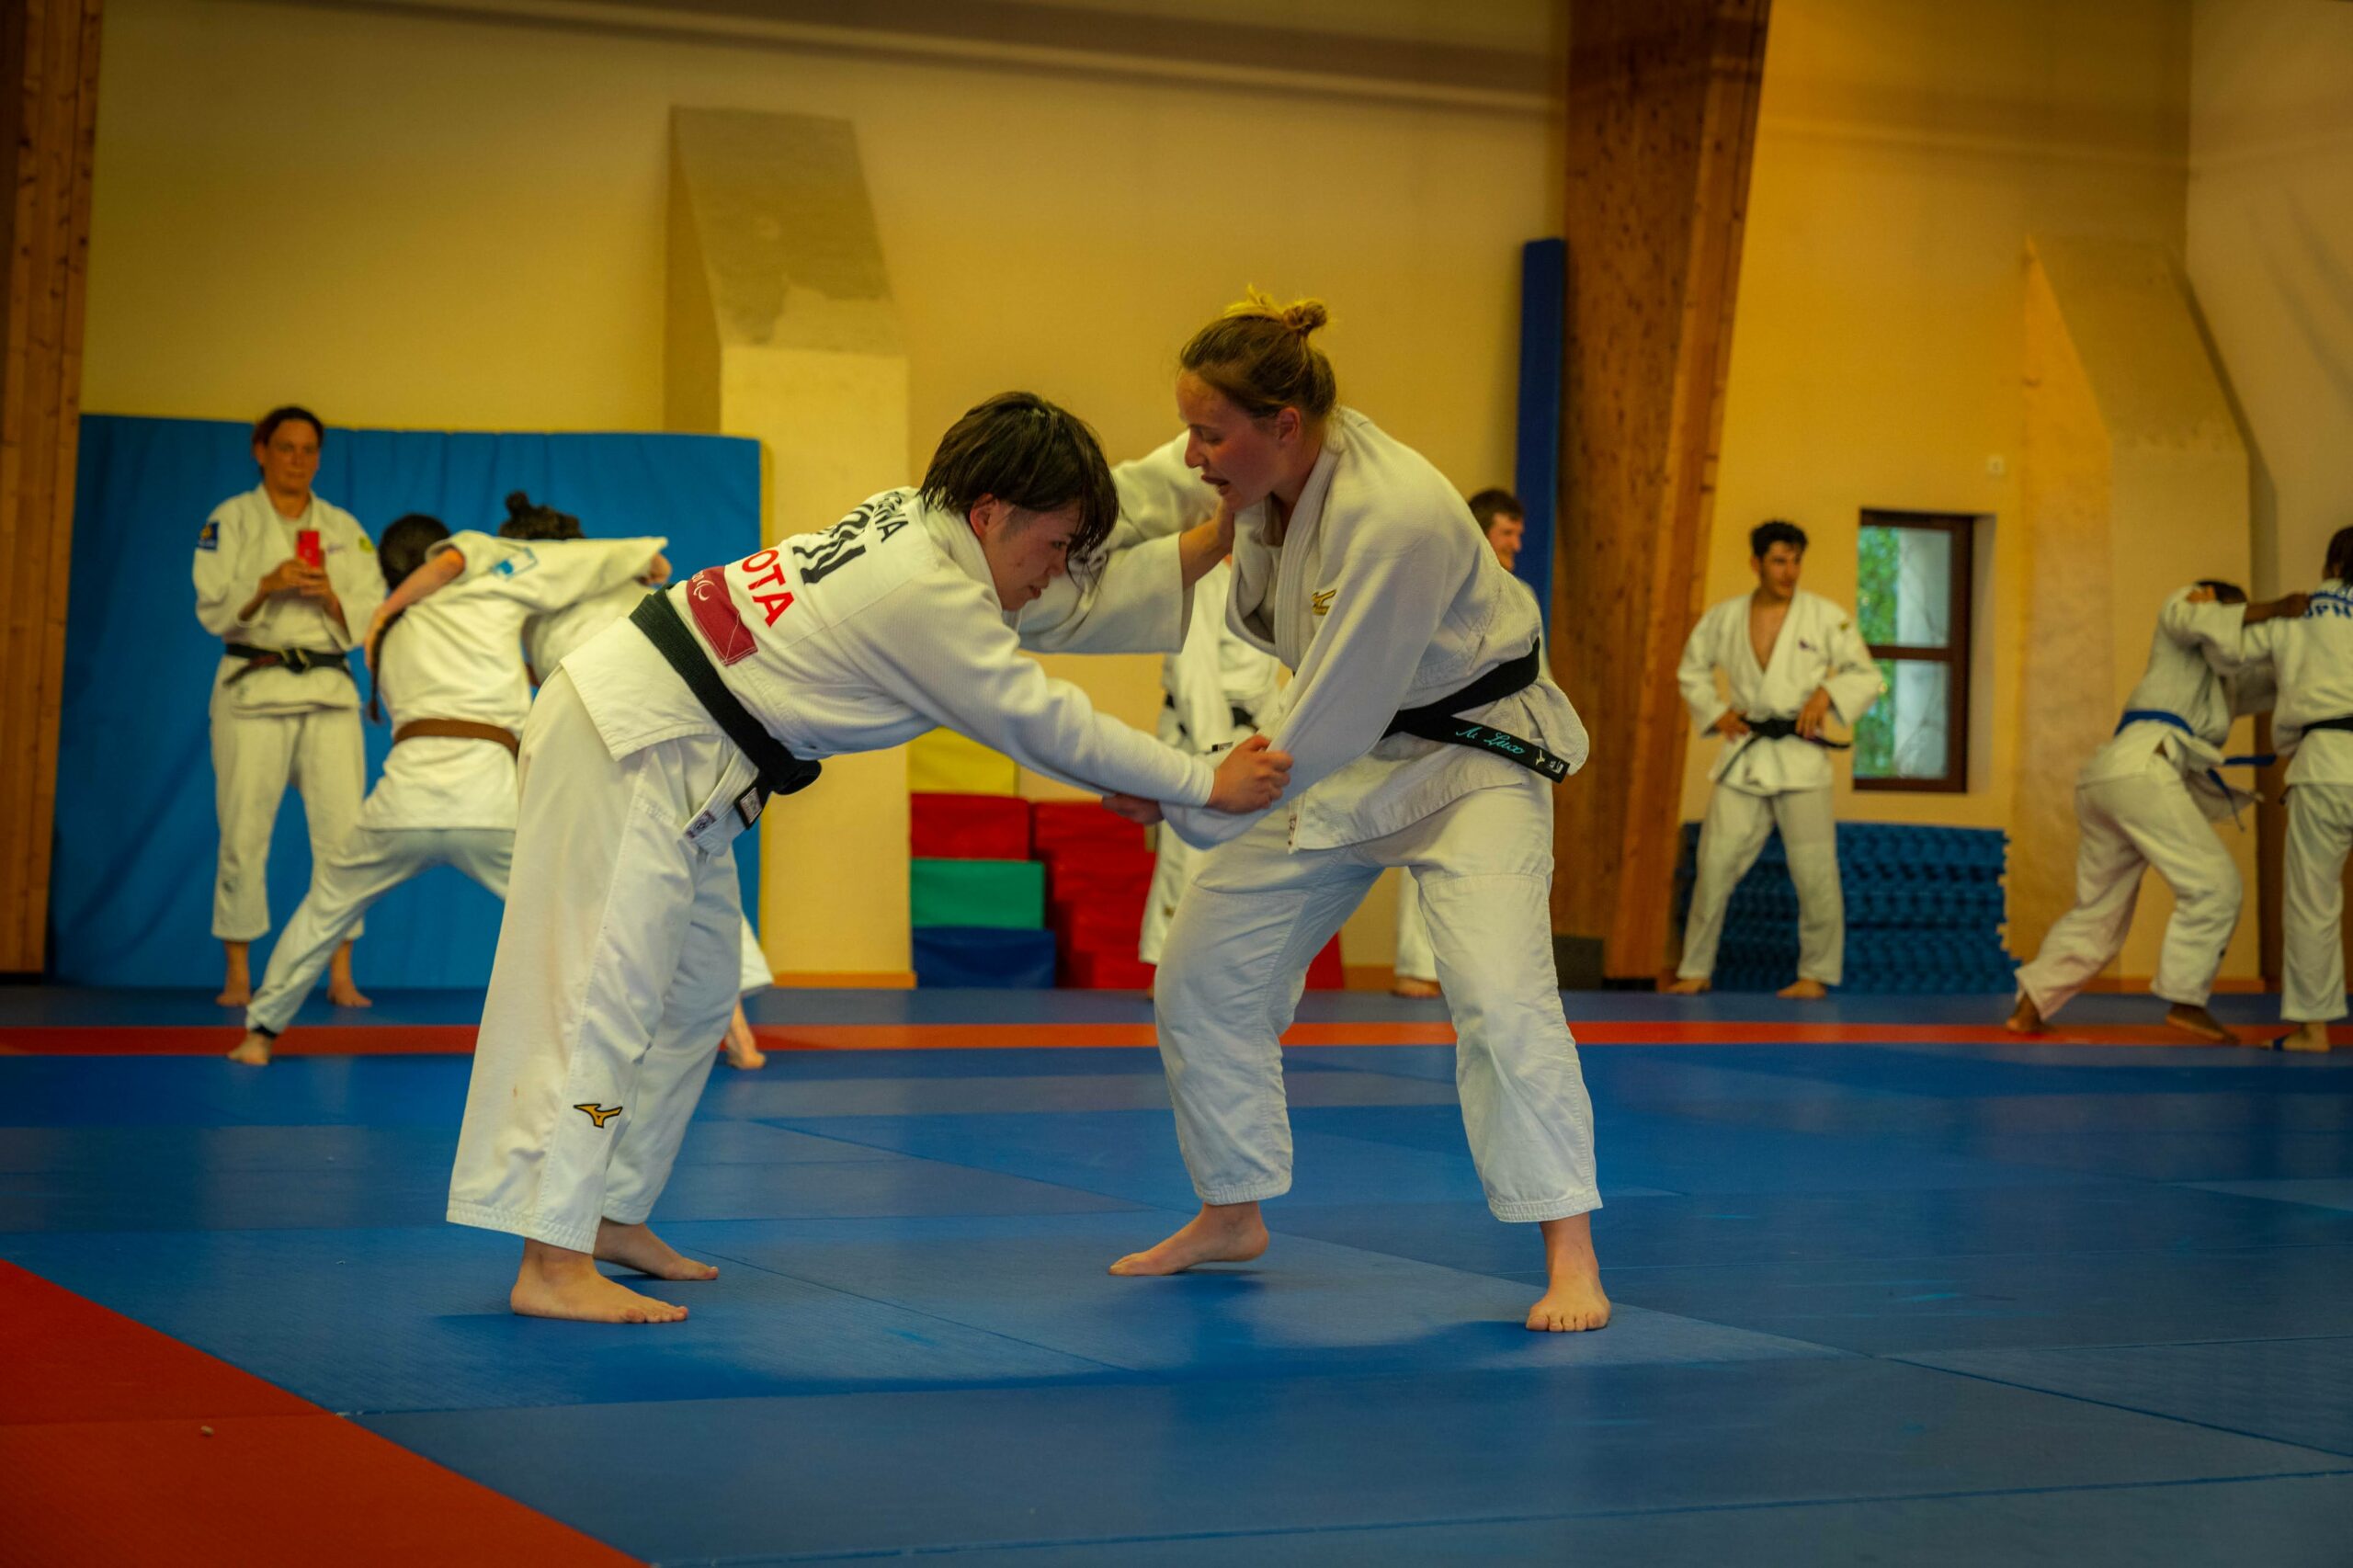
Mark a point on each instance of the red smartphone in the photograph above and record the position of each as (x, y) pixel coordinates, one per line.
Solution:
(306, 548)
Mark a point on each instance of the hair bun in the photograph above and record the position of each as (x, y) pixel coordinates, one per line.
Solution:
(1303, 316)
(518, 503)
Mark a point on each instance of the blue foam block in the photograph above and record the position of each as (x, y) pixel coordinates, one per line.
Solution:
(985, 956)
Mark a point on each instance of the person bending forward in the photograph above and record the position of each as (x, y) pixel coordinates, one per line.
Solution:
(451, 673)
(661, 739)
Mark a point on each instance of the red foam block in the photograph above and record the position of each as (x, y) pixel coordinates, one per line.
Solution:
(969, 827)
(1059, 824)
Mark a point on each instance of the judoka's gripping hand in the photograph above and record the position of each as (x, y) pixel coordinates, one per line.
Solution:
(1813, 715)
(1250, 779)
(1731, 725)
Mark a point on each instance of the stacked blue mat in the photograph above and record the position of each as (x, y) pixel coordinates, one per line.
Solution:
(1924, 911)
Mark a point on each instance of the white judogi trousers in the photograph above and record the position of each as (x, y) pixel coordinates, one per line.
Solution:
(1415, 960)
(2320, 832)
(1730, 838)
(255, 757)
(369, 864)
(2124, 827)
(1236, 962)
(755, 974)
(617, 971)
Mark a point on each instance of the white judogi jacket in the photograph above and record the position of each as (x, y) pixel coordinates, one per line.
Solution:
(550, 638)
(1382, 596)
(242, 542)
(1216, 671)
(452, 656)
(885, 626)
(1818, 648)
(2312, 660)
(2195, 672)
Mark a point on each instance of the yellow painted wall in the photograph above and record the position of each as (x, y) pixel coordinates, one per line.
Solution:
(1907, 153)
(422, 221)
(2271, 254)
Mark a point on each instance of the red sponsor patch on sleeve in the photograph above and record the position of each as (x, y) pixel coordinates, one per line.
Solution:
(731, 641)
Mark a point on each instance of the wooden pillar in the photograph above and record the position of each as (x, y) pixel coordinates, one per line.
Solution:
(48, 94)
(1660, 125)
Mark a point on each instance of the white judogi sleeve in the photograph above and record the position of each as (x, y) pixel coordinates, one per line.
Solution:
(938, 643)
(1132, 599)
(551, 574)
(2312, 660)
(1695, 674)
(1853, 679)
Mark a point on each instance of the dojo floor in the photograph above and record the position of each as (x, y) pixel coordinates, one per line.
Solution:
(1889, 1289)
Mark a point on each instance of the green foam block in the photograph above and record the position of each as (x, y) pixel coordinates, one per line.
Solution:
(1005, 893)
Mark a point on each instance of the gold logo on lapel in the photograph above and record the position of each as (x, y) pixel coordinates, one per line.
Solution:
(1324, 600)
(598, 1113)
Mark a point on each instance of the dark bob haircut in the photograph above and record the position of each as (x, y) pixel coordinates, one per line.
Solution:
(2339, 560)
(1024, 450)
(1765, 536)
(400, 550)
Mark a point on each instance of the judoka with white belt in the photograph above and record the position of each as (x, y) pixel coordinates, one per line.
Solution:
(449, 667)
(1792, 660)
(287, 581)
(2148, 800)
(1221, 689)
(1415, 973)
(547, 640)
(661, 739)
(1425, 732)
(2311, 656)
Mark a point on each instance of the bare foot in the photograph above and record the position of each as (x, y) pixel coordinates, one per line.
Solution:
(1227, 1233)
(2025, 1018)
(743, 1051)
(253, 1050)
(556, 1282)
(237, 982)
(1410, 985)
(1573, 1303)
(1803, 990)
(342, 990)
(1690, 985)
(2312, 1036)
(634, 1247)
(2200, 1023)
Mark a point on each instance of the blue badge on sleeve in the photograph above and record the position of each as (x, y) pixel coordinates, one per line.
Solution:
(211, 537)
(521, 560)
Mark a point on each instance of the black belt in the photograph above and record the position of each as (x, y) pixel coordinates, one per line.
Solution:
(781, 772)
(1438, 721)
(1782, 729)
(301, 661)
(2339, 722)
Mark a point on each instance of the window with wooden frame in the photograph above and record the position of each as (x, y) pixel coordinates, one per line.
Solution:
(1911, 602)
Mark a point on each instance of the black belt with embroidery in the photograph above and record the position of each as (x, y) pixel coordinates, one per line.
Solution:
(1439, 721)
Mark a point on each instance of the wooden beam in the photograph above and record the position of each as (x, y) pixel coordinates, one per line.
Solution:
(1661, 127)
(49, 97)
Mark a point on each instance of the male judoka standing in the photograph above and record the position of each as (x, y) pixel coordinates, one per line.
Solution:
(1791, 659)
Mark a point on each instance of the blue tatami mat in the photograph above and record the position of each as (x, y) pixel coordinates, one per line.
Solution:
(688, 1481)
(1906, 1304)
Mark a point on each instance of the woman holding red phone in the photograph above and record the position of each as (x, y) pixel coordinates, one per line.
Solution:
(288, 582)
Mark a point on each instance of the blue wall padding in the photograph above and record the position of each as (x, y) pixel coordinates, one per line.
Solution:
(1543, 361)
(983, 955)
(131, 895)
